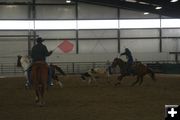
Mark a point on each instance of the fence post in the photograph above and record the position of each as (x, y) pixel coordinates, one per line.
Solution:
(73, 67)
(2, 68)
(14, 68)
(93, 65)
(67, 68)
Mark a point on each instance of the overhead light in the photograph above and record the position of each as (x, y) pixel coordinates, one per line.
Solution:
(144, 3)
(173, 0)
(133, 1)
(11, 6)
(68, 1)
(158, 8)
(146, 13)
(154, 5)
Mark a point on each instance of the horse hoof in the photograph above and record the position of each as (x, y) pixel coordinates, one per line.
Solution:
(140, 84)
(117, 84)
(42, 104)
(26, 87)
(109, 82)
(39, 104)
(36, 101)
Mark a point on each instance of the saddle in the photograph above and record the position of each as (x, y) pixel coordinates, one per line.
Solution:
(39, 62)
(130, 69)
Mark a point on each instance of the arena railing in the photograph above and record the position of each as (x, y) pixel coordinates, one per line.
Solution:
(10, 69)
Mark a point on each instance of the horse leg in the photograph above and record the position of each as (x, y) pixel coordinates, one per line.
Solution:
(93, 79)
(136, 81)
(59, 82)
(141, 80)
(151, 74)
(27, 80)
(42, 90)
(37, 98)
(89, 81)
(43, 85)
(40, 95)
(108, 78)
(119, 80)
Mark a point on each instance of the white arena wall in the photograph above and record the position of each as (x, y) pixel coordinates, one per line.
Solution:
(148, 44)
(101, 57)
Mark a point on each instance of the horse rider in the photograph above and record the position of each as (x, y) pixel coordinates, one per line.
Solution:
(129, 61)
(39, 53)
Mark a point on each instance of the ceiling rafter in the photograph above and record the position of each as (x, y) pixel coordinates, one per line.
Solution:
(168, 8)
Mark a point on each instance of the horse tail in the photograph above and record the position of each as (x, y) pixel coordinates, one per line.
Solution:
(151, 73)
(60, 70)
(37, 80)
(38, 76)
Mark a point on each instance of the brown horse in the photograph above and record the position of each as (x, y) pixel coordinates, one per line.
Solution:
(140, 70)
(39, 80)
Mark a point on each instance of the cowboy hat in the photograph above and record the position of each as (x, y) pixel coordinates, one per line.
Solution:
(39, 40)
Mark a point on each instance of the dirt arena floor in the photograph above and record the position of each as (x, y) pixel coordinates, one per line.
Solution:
(80, 101)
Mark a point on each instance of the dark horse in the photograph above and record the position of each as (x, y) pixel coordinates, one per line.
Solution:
(39, 77)
(25, 63)
(139, 69)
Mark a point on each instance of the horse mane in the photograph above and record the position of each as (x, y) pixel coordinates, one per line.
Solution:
(121, 60)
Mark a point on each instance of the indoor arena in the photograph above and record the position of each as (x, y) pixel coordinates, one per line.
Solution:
(89, 60)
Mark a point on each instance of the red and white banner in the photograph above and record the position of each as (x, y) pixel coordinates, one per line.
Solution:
(66, 46)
